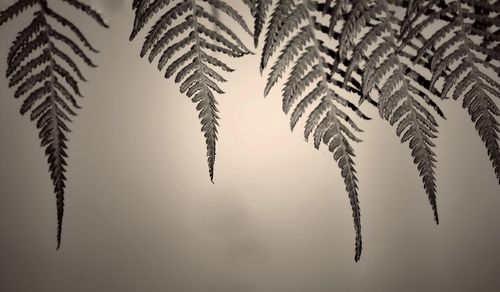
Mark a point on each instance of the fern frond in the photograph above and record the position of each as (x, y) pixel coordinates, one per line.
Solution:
(384, 74)
(192, 69)
(295, 25)
(37, 77)
(462, 59)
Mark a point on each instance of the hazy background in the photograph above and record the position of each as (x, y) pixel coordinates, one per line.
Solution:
(142, 215)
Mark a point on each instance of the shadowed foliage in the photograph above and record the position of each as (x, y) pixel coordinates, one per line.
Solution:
(385, 57)
(369, 46)
(330, 120)
(463, 57)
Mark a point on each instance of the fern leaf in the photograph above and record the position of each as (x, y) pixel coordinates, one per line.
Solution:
(385, 75)
(463, 62)
(192, 69)
(295, 25)
(37, 78)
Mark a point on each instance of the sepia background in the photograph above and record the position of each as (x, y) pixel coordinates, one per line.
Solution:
(142, 215)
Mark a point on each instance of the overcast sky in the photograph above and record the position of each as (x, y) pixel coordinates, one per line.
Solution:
(142, 215)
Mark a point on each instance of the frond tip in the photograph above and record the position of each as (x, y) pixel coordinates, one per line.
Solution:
(189, 51)
(36, 67)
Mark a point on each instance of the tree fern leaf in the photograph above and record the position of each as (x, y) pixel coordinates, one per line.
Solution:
(383, 70)
(309, 68)
(192, 69)
(49, 102)
(452, 65)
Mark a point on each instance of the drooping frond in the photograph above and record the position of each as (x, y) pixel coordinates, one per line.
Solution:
(369, 47)
(181, 25)
(294, 25)
(465, 60)
(37, 66)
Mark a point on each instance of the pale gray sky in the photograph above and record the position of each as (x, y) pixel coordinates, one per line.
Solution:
(142, 215)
